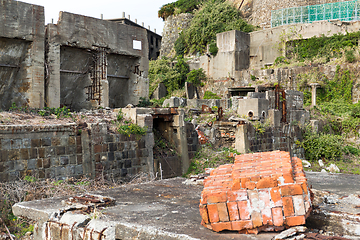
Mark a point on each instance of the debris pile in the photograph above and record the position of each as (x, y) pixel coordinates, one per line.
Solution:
(260, 192)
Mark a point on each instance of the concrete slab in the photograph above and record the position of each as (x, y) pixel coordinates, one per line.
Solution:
(168, 209)
(164, 209)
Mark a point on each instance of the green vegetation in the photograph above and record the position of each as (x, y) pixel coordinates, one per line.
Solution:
(196, 77)
(173, 77)
(208, 157)
(211, 95)
(328, 47)
(212, 17)
(340, 87)
(180, 6)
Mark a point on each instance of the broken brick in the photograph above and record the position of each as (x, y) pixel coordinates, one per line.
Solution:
(291, 190)
(218, 227)
(295, 221)
(268, 182)
(240, 225)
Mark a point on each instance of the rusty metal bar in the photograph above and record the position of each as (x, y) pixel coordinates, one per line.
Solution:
(283, 119)
(70, 71)
(10, 66)
(116, 76)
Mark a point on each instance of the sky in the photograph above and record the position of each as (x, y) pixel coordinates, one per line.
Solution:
(143, 10)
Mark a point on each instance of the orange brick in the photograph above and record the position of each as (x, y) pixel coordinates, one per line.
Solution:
(216, 197)
(240, 225)
(291, 190)
(278, 216)
(217, 227)
(250, 185)
(244, 210)
(256, 219)
(267, 216)
(234, 196)
(223, 212)
(266, 182)
(255, 179)
(288, 206)
(295, 221)
(244, 181)
(236, 184)
(304, 188)
(213, 213)
(276, 197)
(288, 178)
(233, 211)
(204, 214)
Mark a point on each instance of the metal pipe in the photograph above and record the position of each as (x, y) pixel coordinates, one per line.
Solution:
(10, 66)
(69, 71)
(116, 76)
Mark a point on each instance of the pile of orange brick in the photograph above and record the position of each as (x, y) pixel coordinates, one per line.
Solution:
(260, 192)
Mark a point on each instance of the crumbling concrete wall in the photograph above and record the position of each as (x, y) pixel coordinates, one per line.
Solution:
(87, 73)
(63, 151)
(22, 54)
(232, 56)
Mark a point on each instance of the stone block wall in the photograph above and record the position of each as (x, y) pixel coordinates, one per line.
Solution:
(172, 28)
(275, 138)
(61, 151)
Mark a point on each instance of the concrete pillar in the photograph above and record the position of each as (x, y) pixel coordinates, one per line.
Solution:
(274, 115)
(52, 87)
(182, 147)
(88, 159)
(241, 141)
(314, 86)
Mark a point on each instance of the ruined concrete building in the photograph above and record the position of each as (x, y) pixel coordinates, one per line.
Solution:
(154, 39)
(88, 62)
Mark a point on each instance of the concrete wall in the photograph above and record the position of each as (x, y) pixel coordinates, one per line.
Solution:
(61, 151)
(154, 39)
(95, 36)
(22, 54)
(233, 55)
(266, 45)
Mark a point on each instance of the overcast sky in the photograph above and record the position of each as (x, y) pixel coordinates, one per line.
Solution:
(143, 10)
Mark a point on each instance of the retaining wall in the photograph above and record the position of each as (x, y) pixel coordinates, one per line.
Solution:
(63, 151)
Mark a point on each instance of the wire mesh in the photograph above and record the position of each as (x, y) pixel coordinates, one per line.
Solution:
(344, 11)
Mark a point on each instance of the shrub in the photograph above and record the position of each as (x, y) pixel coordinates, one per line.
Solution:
(180, 45)
(327, 146)
(212, 17)
(213, 49)
(166, 11)
(211, 95)
(161, 71)
(183, 69)
(132, 128)
(196, 76)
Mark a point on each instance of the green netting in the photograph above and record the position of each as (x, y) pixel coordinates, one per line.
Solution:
(344, 11)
